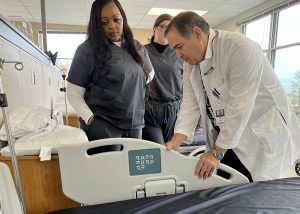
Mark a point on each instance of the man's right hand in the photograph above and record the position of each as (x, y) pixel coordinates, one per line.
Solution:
(175, 142)
(172, 145)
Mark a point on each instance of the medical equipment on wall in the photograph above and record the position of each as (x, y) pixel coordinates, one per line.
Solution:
(64, 89)
(144, 169)
(4, 105)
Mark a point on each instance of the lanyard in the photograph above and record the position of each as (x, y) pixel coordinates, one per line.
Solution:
(209, 110)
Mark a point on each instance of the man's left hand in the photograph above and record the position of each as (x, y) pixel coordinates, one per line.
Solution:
(207, 164)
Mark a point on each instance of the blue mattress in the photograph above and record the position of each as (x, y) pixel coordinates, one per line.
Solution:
(280, 196)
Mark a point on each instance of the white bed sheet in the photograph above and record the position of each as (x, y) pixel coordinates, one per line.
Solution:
(47, 142)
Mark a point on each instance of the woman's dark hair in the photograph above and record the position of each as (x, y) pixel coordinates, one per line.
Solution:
(96, 35)
(159, 20)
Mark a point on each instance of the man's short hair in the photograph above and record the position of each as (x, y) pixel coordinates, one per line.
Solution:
(185, 22)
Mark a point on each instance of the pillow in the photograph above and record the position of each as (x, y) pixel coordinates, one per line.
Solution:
(26, 119)
(60, 135)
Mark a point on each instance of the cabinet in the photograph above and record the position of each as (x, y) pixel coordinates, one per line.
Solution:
(72, 120)
(41, 184)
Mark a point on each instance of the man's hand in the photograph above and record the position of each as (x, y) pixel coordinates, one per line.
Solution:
(175, 142)
(172, 145)
(207, 164)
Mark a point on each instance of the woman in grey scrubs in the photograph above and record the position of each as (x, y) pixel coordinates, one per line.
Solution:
(166, 87)
(108, 76)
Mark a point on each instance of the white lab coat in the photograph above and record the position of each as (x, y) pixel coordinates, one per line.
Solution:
(259, 124)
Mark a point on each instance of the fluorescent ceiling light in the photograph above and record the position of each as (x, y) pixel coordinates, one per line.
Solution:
(173, 12)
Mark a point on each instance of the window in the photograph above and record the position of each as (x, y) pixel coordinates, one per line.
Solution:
(287, 67)
(259, 31)
(288, 33)
(65, 43)
(280, 41)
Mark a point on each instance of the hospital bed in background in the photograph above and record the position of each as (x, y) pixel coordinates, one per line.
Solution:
(141, 169)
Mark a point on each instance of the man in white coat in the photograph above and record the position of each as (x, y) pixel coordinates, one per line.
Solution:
(245, 112)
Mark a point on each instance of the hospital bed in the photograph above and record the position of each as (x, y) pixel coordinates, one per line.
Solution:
(118, 182)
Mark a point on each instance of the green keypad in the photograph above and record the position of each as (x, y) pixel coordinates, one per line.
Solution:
(144, 161)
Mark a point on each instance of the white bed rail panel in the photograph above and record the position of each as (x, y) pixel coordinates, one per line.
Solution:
(128, 174)
(9, 200)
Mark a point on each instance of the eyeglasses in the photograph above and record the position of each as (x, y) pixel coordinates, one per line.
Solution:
(163, 27)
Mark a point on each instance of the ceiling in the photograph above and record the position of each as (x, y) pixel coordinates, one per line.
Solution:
(76, 12)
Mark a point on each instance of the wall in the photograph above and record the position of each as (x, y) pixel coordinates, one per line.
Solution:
(38, 77)
(231, 25)
(142, 35)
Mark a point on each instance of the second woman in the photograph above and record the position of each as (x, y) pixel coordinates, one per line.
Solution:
(164, 98)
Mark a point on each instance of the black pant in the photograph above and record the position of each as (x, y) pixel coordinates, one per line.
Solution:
(102, 129)
(232, 160)
(160, 121)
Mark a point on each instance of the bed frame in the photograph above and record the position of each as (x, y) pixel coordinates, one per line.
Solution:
(141, 169)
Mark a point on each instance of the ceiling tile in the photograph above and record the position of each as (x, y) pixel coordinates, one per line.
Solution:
(76, 12)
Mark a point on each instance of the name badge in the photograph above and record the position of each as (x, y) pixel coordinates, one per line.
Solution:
(220, 113)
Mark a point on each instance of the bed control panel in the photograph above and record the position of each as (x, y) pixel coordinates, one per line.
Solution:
(144, 161)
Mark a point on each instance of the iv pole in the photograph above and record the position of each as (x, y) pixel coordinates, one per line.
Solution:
(3, 106)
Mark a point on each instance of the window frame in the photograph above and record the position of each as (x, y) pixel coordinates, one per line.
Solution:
(272, 47)
(40, 39)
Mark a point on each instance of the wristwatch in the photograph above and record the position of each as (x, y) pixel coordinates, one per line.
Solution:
(91, 120)
(218, 154)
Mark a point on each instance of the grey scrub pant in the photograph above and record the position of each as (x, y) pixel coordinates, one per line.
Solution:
(160, 121)
(101, 129)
